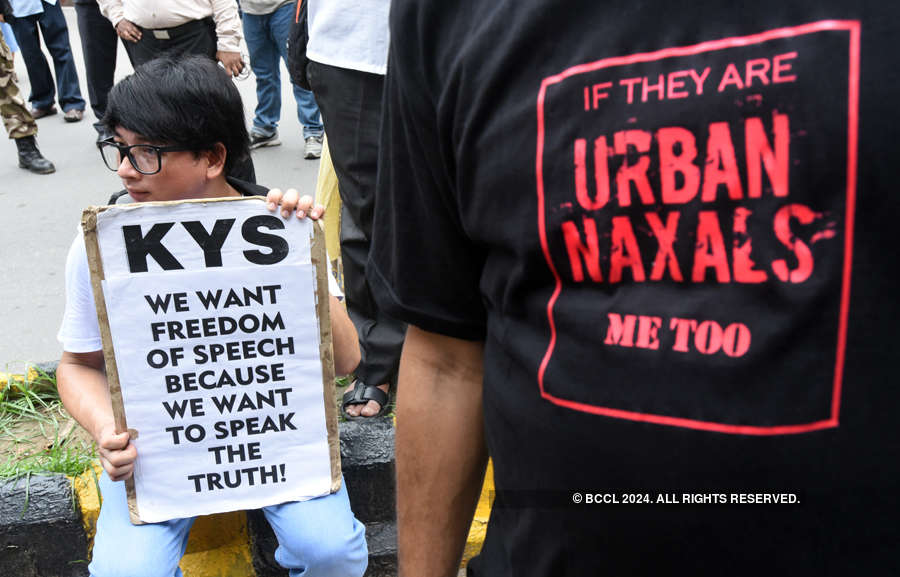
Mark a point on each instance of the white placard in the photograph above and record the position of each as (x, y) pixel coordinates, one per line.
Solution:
(212, 318)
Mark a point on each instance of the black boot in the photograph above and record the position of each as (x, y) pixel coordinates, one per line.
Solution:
(31, 158)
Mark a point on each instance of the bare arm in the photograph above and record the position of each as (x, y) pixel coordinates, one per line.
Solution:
(81, 380)
(440, 450)
(344, 338)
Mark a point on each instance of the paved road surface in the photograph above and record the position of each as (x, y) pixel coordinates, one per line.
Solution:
(39, 214)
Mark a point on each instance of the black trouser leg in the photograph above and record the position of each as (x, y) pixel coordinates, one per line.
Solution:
(99, 45)
(350, 103)
(43, 90)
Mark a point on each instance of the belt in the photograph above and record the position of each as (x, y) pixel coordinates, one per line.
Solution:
(182, 30)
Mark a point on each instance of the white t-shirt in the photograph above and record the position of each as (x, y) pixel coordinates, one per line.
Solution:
(347, 34)
(80, 330)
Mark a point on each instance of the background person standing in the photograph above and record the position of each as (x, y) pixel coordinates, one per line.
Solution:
(266, 27)
(209, 28)
(28, 16)
(99, 45)
(347, 52)
(19, 123)
(151, 29)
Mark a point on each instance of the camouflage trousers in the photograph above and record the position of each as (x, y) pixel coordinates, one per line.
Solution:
(16, 118)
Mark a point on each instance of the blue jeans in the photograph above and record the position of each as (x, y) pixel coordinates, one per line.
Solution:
(316, 538)
(266, 37)
(56, 36)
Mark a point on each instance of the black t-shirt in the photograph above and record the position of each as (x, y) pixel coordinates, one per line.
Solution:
(672, 224)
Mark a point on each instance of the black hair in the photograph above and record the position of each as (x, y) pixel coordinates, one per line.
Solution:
(189, 101)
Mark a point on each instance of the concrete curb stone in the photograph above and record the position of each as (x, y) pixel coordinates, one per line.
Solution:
(41, 534)
(367, 461)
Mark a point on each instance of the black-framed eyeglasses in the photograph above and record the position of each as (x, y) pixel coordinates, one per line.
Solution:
(145, 158)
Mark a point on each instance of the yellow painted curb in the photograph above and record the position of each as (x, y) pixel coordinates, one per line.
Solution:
(218, 546)
(479, 522)
(6, 378)
(32, 377)
(86, 489)
(229, 560)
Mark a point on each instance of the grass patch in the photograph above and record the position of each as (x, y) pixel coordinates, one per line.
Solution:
(37, 436)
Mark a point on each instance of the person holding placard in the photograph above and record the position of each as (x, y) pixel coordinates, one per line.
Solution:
(178, 126)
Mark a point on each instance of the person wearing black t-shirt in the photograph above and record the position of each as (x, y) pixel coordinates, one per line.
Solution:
(647, 253)
(346, 72)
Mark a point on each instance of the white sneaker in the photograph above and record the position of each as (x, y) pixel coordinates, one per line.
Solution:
(313, 147)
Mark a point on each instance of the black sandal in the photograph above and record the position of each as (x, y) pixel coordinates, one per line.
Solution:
(362, 394)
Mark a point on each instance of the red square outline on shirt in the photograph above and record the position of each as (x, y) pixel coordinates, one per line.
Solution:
(853, 27)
